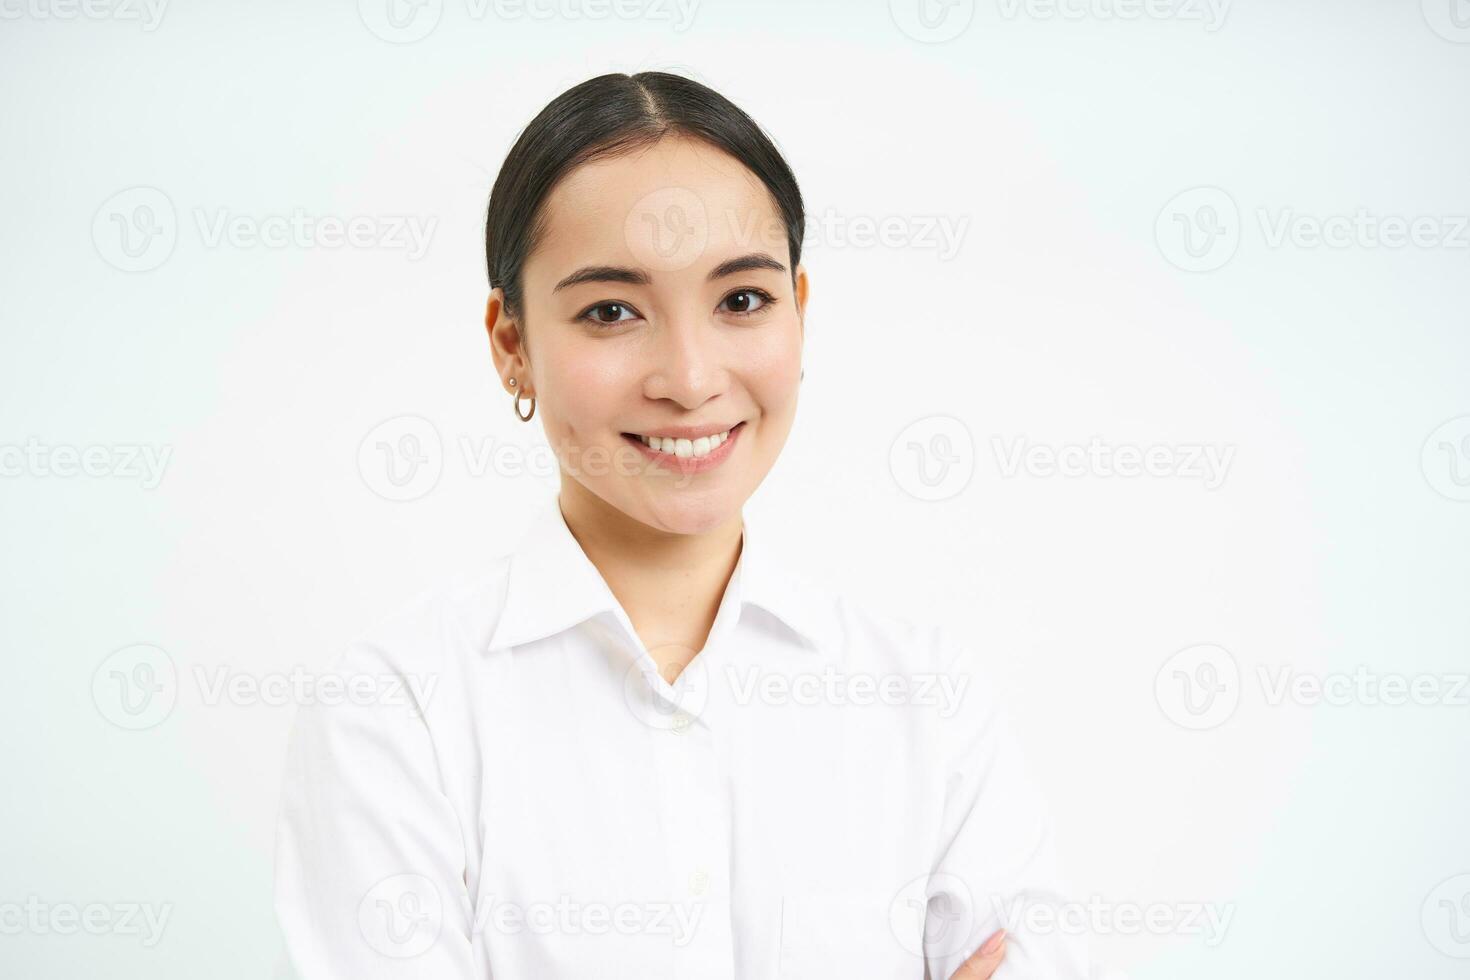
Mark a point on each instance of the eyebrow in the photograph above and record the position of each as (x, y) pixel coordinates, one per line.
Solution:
(636, 277)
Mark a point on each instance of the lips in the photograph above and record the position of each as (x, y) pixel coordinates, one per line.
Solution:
(685, 448)
(697, 452)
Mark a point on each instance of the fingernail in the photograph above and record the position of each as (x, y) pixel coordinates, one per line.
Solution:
(993, 943)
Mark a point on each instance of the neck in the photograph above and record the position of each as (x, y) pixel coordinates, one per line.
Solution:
(670, 584)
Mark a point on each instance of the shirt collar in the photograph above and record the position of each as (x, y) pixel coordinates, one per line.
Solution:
(553, 586)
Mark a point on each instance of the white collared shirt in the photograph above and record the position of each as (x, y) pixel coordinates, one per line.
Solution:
(509, 790)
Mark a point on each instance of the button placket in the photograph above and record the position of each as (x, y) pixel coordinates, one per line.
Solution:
(697, 829)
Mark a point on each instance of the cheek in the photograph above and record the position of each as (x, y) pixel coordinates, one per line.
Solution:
(773, 369)
(584, 388)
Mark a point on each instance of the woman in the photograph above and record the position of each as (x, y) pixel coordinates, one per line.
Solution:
(641, 745)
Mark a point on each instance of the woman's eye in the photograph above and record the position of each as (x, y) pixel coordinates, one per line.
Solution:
(608, 313)
(747, 301)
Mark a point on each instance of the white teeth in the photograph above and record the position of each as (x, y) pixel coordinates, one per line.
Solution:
(686, 448)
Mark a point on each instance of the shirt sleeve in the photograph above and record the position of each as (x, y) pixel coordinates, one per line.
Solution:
(997, 865)
(370, 859)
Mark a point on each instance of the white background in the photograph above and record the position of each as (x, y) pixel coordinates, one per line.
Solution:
(1068, 310)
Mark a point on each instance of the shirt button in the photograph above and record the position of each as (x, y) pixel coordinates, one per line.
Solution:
(681, 722)
(698, 883)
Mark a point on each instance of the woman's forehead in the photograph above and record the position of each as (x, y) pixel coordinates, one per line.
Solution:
(672, 206)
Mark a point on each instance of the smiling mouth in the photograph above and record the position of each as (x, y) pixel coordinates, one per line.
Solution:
(684, 448)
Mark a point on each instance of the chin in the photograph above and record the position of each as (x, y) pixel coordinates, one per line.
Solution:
(690, 511)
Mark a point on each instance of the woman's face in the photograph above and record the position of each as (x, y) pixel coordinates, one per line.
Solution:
(659, 302)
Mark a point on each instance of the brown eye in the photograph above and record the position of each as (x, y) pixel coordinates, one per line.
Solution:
(608, 313)
(746, 301)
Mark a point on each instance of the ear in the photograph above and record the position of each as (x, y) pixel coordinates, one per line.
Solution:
(801, 291)
(507, 346)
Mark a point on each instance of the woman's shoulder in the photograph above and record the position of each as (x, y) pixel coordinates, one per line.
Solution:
(424, 629)
(882, 629)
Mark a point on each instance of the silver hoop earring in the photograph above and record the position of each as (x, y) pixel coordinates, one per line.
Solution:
(516, 404)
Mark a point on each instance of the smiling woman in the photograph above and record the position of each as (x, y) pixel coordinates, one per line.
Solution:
(654, 748)
(642, 298)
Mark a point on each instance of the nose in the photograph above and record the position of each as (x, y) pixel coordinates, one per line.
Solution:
(687, 366)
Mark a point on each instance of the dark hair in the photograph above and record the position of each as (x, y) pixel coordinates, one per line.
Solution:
(602, 117)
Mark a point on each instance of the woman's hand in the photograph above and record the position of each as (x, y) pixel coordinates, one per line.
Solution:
(986, 960)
